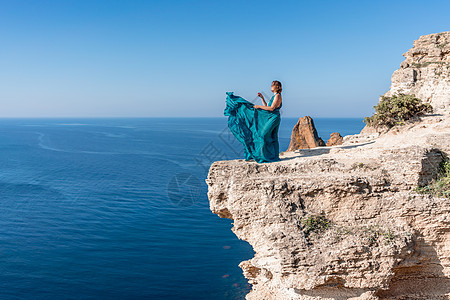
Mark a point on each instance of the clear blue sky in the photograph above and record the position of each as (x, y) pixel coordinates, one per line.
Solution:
(178, 58)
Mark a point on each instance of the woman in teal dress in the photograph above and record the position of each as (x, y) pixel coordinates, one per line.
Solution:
(256, 126)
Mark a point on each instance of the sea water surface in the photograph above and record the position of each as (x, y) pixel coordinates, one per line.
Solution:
(118, 208)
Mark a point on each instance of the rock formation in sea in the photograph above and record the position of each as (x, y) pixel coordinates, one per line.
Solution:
(348, 221)
(304, 135)
(335, 139)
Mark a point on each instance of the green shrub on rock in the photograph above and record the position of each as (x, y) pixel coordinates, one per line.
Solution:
(397, 109)
(314, 223)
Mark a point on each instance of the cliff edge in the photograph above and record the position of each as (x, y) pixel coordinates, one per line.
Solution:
(346, 222)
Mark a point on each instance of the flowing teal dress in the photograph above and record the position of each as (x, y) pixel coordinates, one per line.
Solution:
(256, 129)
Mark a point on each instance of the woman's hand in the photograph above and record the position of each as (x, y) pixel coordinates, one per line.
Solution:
(262, 99)
(256, 106)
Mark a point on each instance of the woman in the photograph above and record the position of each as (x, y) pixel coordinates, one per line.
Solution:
(256, 126)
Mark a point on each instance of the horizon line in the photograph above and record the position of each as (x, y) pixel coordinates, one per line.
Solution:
(166, 117)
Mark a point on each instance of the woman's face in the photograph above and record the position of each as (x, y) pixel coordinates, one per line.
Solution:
(272, 88)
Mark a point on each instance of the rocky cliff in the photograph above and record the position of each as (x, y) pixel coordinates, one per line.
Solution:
(346, 222)
(426, 71)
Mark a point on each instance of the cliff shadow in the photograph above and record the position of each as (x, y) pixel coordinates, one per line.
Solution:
(433, 115)
(320, 150)
(356, 145)
(424, 279)
(431, 166)
(306, 153)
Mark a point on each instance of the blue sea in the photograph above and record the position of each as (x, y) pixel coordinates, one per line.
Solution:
(118, 208)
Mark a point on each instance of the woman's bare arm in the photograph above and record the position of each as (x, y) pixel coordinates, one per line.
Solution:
(276, 102)
(262, 99)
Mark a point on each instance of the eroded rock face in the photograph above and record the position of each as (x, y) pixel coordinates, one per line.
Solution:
(383, 239)
(335, 139)
(304, 135)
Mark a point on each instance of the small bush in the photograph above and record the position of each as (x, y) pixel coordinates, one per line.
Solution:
(315, 224)
(375, 232)
(358, 165)
(397, 109)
